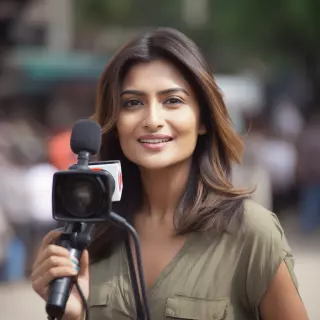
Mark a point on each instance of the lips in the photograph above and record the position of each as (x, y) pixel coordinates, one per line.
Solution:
(154, 143)
(154, 139)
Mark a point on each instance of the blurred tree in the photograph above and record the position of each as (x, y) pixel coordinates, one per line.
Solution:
(285, 33)
(128, 13)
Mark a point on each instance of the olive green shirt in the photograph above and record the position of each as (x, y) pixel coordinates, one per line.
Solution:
(216, 277)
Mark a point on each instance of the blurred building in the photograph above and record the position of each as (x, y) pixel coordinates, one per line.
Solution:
(41, 76)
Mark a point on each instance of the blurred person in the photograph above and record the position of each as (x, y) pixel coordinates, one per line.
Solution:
(285, 127)
(252, 173)
(275, 154)
(5, 229)
(308, 173)
(279, 156)
(26, 139)
(5, 238)
(287, 119)
(208, 251)
(14, 203)
(20, 146)
(38, 184)
(60, 153)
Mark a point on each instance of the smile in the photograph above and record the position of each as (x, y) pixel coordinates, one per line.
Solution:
(154, 141)
(155, 144)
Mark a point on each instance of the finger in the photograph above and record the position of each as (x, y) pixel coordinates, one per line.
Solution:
(41, 285)
(51, 250)
(84, 264)
(41, 290)
(50, 238)
(51, 262)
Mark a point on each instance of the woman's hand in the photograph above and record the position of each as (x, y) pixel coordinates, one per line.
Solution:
(53, 262)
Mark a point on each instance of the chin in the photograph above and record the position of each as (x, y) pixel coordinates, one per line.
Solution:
(154, 165)
(158, 161)
(160, 164)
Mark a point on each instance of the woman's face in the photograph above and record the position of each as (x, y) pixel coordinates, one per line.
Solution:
(159, 121)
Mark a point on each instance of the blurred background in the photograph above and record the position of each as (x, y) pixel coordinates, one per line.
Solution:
(265, 56)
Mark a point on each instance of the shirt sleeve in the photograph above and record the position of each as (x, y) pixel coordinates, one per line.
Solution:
(266, 248)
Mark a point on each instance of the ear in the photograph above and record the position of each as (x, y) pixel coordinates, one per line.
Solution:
(202, 130)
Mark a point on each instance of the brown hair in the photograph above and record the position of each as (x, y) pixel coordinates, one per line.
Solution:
(209, 200)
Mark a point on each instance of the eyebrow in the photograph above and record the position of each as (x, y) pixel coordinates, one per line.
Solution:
(162, 92)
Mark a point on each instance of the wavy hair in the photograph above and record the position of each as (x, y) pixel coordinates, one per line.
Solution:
(209, 201)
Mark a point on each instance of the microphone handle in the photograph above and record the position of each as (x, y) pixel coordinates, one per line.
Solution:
(60, 288)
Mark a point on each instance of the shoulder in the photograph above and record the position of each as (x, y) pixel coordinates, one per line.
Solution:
(259, 222)
(264, 242)
(263, 248)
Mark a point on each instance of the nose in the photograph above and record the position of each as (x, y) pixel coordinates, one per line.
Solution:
(154, 119)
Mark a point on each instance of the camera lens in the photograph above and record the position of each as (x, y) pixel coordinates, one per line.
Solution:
(81, 196)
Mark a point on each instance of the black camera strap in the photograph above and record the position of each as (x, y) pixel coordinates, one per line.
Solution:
(133, 276)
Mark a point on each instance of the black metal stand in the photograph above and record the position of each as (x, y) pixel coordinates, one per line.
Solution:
(76, 238)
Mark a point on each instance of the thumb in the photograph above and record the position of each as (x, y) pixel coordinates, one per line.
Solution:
(84, 265)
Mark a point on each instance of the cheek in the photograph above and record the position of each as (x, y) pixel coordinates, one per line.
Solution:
(122, 135)
(125, 130)
(186, 124)
(123, 127)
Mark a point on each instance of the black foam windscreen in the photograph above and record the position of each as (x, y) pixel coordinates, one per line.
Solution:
(86, 136)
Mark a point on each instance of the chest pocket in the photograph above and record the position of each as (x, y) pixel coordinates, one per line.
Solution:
(107, 303)
(100, 297)
(191, 308)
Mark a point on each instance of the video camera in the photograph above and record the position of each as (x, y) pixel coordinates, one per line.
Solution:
(85, 192)
(81, 197)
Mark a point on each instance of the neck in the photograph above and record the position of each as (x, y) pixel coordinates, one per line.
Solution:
(162, 190)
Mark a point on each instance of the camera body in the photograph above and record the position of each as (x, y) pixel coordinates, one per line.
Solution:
(86, 193)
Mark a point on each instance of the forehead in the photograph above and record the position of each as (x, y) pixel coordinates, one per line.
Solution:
(154, 75)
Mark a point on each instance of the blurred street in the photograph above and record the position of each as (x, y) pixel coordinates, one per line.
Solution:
(18, 301)
(265, 60)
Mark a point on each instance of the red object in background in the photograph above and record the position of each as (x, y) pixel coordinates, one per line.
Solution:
(60, 153)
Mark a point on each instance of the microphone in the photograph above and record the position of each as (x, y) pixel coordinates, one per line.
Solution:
(85, 140)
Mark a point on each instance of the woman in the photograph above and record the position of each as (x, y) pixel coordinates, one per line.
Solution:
(208, 252)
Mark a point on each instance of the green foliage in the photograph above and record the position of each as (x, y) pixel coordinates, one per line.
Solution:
(102, 12)
(267, 25)
(236, 29)
(127, 12)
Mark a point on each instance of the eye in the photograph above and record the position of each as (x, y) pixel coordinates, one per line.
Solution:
(132, 103)
(173, 101)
